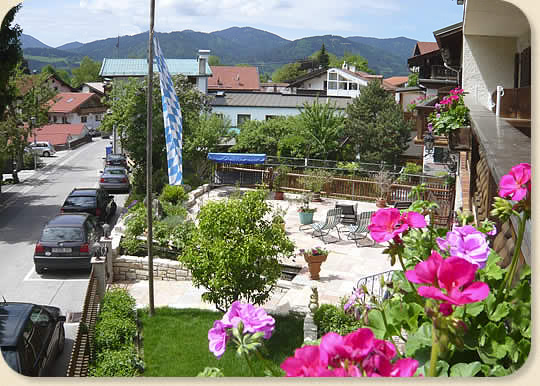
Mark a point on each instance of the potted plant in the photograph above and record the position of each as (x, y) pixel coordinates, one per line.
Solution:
(451, 118)
(314, 257)
(314, 181)
(304, 211)
(278, 218)
(279, 180)
(384, 184)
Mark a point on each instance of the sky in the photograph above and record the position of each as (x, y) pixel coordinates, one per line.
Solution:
(56, 22)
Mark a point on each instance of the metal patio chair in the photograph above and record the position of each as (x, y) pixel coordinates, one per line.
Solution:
(360, 230)
(348, 213)
(321, 229)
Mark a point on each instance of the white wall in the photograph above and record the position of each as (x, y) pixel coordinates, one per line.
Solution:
(257, 113)
(487, 62)
(91, 122)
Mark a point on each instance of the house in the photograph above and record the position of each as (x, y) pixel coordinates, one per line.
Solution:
(242, 106)
(55, 83)
(77, 107)
(337, 82)
(233, 78)
(95, 87)
(279, 87)
(60, 135)
(196, 70)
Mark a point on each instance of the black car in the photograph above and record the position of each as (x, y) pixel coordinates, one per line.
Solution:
(31, 336)
(116, 160)
(95, 201)
(68, 241)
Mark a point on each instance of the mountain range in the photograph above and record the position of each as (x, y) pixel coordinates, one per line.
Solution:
(236, 45)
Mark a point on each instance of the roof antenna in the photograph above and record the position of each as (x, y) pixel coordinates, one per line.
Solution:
(5, 301)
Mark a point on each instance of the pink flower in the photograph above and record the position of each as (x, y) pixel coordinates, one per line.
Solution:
(255, 319)
(217, 338)
(516, 183)
(430, 126)
(468, 243)
(306, 363)
(405, 367)
(457, 91)
(388, 222)
(426, 271)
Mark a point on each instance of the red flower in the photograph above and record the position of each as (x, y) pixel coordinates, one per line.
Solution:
(388, 222)
(516, 183)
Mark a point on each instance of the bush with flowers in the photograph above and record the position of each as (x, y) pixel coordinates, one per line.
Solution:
(453, 310)
(451, 114)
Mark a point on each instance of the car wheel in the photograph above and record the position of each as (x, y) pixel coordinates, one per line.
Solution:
(61, 342)
(46, 154)
(39, 269)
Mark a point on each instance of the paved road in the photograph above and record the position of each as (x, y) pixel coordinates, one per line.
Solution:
(24, 209)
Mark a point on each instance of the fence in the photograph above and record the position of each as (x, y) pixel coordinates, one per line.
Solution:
(83, 351)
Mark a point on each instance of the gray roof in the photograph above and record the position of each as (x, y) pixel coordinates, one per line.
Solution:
(139, 67)
(266, 99)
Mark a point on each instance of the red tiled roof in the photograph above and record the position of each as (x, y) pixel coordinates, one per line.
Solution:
(396, 81)
(57, 133)
(233, 78)
(66, 102)
(426, 47)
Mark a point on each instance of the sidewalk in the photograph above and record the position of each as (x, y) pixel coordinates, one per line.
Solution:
(345, 265)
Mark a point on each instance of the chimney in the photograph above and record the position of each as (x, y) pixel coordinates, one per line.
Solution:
(202, 79)
(352, 67)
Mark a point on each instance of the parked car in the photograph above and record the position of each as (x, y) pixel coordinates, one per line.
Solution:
(114, 178)
(94, 133)
(32, 336)
(116, 160)
(68, 241)
(42, 148)
(104, 134)
(95, 201)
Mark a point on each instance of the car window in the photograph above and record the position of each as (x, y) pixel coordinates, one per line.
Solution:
(62, 234)
(84, 201)
(10, 356)
(39, 315)
(116, 171)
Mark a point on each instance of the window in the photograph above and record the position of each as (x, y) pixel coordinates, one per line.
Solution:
(241, 118)
(332, 85)
(332, 76)
(64, 120)
(83, 119)
(268, 117)
(219, 115)
(98, 117)
(439, 154)
(54, 118)
(353, 86)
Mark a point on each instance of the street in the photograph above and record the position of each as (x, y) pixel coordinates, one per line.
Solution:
(24, 210)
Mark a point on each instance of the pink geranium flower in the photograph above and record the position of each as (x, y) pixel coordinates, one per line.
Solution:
(426, 271)
(516, 183)
(388, 222)
(306, 363)
(468, 243)
(217, 338)
(255, 319)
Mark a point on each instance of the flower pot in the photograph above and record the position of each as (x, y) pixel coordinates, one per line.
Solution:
(460, 139)
(306, 218)
(278, 195)
(314, 264)
(381, 202)
(316, 197)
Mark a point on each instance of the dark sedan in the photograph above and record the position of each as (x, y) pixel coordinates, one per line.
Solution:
(68, 241)
(31, 336)
(90, 200)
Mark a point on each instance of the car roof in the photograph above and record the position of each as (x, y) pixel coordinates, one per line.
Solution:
(84, 192)
(110, 155)
(12, 318)
(68, 219)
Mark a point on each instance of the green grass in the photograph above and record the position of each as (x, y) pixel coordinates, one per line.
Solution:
(46, 59)
(175, 343)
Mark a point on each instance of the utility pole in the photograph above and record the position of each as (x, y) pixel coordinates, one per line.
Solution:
(149, 158)
(33, 130)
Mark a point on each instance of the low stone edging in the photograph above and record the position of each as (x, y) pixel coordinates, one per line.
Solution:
(130, 268)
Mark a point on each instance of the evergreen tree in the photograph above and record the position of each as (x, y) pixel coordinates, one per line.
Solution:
(324, 59)
(10, 55)
(376, 127)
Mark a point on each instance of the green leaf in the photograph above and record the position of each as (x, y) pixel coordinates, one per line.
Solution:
(376, 324)
(501, 311)
(465, 369)
(442, 369)
(474, 309)
(419, 339)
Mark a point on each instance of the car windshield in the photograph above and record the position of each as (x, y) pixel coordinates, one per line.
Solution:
(84, 201)
(62, 234)
(115, 171)
(10, 356)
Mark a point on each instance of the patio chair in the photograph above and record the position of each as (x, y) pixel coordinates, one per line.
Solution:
(360, 230)
(321, 229)
(348, 213)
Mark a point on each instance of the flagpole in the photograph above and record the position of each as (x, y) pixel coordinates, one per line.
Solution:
(149, 159)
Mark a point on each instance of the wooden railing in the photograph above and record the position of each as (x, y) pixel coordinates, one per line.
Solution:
(83, 351)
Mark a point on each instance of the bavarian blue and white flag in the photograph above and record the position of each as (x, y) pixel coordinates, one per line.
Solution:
(172, 119)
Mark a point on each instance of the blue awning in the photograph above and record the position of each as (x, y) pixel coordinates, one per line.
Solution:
(237, 158)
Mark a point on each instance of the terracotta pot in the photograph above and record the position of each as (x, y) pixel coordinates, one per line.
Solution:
(460, 139)
(278, 195)
(381, 202)
(314, 265)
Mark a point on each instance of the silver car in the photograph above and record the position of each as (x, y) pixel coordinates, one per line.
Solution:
(114, 178)
(41, 148)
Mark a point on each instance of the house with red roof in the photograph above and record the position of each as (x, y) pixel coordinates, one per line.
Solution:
(60, 135)
(234, 78)
(77, 107)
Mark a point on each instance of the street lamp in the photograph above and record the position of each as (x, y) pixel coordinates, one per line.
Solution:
(32, 128)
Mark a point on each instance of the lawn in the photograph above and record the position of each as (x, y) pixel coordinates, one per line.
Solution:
(175, 343)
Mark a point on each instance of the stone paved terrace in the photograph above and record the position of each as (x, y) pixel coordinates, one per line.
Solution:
(345, 264)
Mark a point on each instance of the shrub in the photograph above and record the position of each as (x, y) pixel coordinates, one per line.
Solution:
(171, 210)
(113, 333)
(174, 194)
(119, 303)
(28, 161)
(133, 246)
(136, 224)
(116, 363)
(331, 318)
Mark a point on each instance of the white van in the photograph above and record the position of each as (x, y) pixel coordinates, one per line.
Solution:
(43, 149)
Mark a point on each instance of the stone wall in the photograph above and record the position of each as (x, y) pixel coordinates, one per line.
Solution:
(130, 268)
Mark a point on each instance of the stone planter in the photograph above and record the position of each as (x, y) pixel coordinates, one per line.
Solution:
(306, 218)
(460, 139)
(314, 265)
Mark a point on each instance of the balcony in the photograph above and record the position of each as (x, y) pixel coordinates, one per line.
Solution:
(441, 72)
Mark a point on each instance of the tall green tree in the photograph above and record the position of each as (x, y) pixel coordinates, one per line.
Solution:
(375, 126)
(88, 71)
(287, 72)
(214, 60)
(10, 55)
(323, 57)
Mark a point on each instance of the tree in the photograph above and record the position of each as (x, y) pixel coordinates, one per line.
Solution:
(376, 127)
(323, 58)
(10, 55)
(88, 71)
(413, 79)
(287, 72)
(356, 60)
(214, 60)
(61, 74)
(263, 77)
(235, 250)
